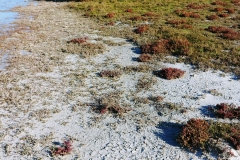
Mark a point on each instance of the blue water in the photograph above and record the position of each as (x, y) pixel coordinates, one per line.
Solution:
(6, 16)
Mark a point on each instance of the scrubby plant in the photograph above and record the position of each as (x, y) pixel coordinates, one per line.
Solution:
(156, 98)
(195, 15)
(64, 149)
(110, 15)
(110, 104)
(142, 29)
(159, 47)
(111, 109)
(224, 110)
(144, 58)
(179, 46)
(236, 2)
(170, 73)
(223, 15)
(224, 32)
(230, 10)
(212, 17)
(175, 22)
(78, 40)
(194, 134)
(221, 3)
(150, 14)
(110, 73)
(235, 137)
(129, 10)
(137, 18)
(186, 26)
(196, 6)
(218, 9)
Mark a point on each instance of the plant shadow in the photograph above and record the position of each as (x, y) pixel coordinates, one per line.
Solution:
(169, 132)
(136, 50)
(208, 111)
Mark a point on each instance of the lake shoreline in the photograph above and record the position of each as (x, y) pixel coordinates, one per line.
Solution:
(51, 92)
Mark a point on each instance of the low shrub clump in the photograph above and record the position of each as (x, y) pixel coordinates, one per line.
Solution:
(142, 29)
(235, 137)
(221, 3)
(227, 111)
(176, 22)
(110, 73)
(110, 15)
(78, 40)
(170, 73)
(158, 47)
(144, 58)
(236, 2)
(175, 45)
(110, 104)
(179, 46)
(194, 134)
(212, 17)
(224, 32)
(196, 6)
(64, 149)
(197, 133)
(116, 109)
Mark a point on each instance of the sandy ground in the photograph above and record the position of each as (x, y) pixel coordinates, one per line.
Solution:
(49, 93)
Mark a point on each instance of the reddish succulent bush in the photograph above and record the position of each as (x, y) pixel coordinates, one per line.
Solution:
(129, 10)
(110, 73)
(194, 134)
(186, 14)
(144, 58)
(236, 2)
(195, 15)
(78, 40)
(177, 22)
(225, 32)
(212, 17)
(65, 148)
(141, 29)
(179, 46)
(184, 26)
(219, 3)
(110, 23)
(219, 9)
(235, 137)
(231, 35)
(216, 29)
(150, 14)
(110, 15)
(230, 10)
(158, 47)
(227, 111)
(138, 18)
(195, 6)
(170, 73)
(223, 15)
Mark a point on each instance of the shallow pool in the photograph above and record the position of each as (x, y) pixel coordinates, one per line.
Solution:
(6, 16)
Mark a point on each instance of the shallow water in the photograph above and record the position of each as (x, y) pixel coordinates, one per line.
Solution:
(6, 16)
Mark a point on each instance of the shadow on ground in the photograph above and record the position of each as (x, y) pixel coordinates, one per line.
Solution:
(207, 111)
(169, 132)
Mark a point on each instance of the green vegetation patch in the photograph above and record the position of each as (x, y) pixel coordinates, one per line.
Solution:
(184, 26)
